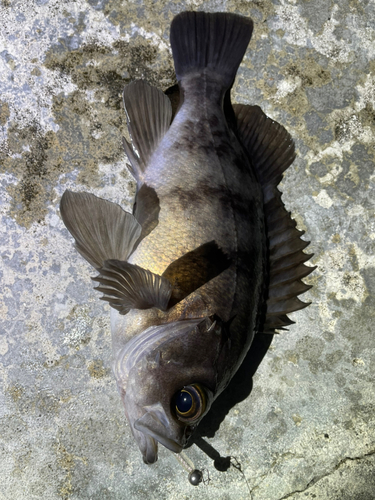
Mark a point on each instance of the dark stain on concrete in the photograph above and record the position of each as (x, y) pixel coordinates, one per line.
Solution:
(90, 127)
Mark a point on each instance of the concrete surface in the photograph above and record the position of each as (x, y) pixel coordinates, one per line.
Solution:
(306, 431)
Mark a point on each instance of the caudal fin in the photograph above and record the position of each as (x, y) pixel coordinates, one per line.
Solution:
(216, 41)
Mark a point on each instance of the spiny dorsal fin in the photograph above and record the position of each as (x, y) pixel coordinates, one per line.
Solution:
(127, 286)
(271, 151)
(102, 230)
(149, 113)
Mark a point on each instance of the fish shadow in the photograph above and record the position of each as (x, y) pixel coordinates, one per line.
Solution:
(239, 388)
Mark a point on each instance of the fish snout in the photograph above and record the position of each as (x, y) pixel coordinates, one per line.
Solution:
(155, 425)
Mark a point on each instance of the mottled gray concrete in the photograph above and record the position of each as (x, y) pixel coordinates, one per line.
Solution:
(307, 429)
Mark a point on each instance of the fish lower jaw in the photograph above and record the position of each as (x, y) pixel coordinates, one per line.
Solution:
(168, 443)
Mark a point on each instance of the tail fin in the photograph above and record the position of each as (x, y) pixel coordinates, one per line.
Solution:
(214, 41)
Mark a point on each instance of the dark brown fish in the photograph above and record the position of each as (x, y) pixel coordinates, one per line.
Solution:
(209, 256)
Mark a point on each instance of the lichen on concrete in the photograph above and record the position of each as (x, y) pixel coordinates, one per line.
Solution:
(307, 428)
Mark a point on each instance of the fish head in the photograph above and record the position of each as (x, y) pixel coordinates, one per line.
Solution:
(170, 383)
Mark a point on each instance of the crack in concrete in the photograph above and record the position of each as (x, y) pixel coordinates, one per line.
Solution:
(314, 480)
(276, 462)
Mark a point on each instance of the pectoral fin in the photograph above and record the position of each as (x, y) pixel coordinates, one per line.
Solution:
(102, 230)
(194, 269)
(127, 286)
(271, 151)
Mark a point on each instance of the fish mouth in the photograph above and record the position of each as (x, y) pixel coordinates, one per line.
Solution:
(165, 441)
(150, 455)
(154, 425)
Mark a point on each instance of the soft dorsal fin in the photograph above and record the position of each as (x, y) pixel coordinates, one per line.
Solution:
(149, 113)
(271, 151)
(127, 286)
(102, 230)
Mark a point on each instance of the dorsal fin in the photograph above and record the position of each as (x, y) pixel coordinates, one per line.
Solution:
(127, 286)
(271, 151)
(149, 113)
(102, 230)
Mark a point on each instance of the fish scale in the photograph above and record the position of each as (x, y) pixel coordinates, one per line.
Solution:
(196, 188)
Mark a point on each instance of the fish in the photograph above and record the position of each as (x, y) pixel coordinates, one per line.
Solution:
(209, 257)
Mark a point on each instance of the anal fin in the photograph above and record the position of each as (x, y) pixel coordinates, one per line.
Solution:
(149, 113)
(271, 151)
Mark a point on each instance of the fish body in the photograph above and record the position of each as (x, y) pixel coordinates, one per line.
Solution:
(203, 197)
(209, 255)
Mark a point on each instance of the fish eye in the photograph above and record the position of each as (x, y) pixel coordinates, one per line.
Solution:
(190, 402)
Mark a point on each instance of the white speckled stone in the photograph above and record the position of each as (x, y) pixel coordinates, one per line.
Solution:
(306, 431)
